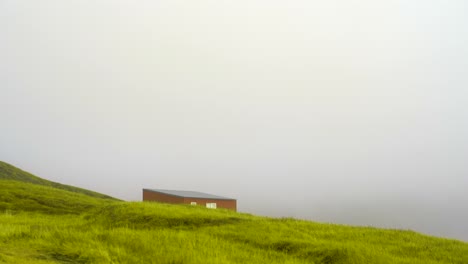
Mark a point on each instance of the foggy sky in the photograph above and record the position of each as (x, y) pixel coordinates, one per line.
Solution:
(349, 112)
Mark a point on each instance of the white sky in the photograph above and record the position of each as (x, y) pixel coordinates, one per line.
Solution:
(340, 111)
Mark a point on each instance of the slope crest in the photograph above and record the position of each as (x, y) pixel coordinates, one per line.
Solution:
(10, 172)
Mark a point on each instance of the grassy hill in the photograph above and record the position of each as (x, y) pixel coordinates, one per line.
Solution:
(21, 196)
(42, 223)
(9, 172)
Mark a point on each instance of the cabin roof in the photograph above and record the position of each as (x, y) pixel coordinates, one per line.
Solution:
(189, 194)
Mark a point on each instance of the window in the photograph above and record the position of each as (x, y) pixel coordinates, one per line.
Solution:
(193, 203)
(211, 205)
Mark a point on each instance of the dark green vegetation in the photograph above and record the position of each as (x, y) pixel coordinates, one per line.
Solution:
(44, 222)
(9, 172)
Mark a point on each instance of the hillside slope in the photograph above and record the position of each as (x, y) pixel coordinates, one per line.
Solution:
(16, 196)
(44, 224)
(10, 172)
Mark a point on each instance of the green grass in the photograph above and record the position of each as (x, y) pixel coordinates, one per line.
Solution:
(9, 172)
(23, 196)
(44, 224)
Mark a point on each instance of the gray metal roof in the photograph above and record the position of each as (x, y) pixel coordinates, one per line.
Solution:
(189, 194)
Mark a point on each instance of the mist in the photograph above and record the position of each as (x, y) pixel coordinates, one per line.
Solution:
(350, 112)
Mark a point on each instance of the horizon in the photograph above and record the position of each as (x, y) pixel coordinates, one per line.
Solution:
(350, 112)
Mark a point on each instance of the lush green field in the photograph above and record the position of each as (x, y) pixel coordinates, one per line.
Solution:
(9, 172)
(43, 224)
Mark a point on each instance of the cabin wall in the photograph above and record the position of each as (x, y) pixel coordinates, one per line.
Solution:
(163, 198)
(227, 204)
